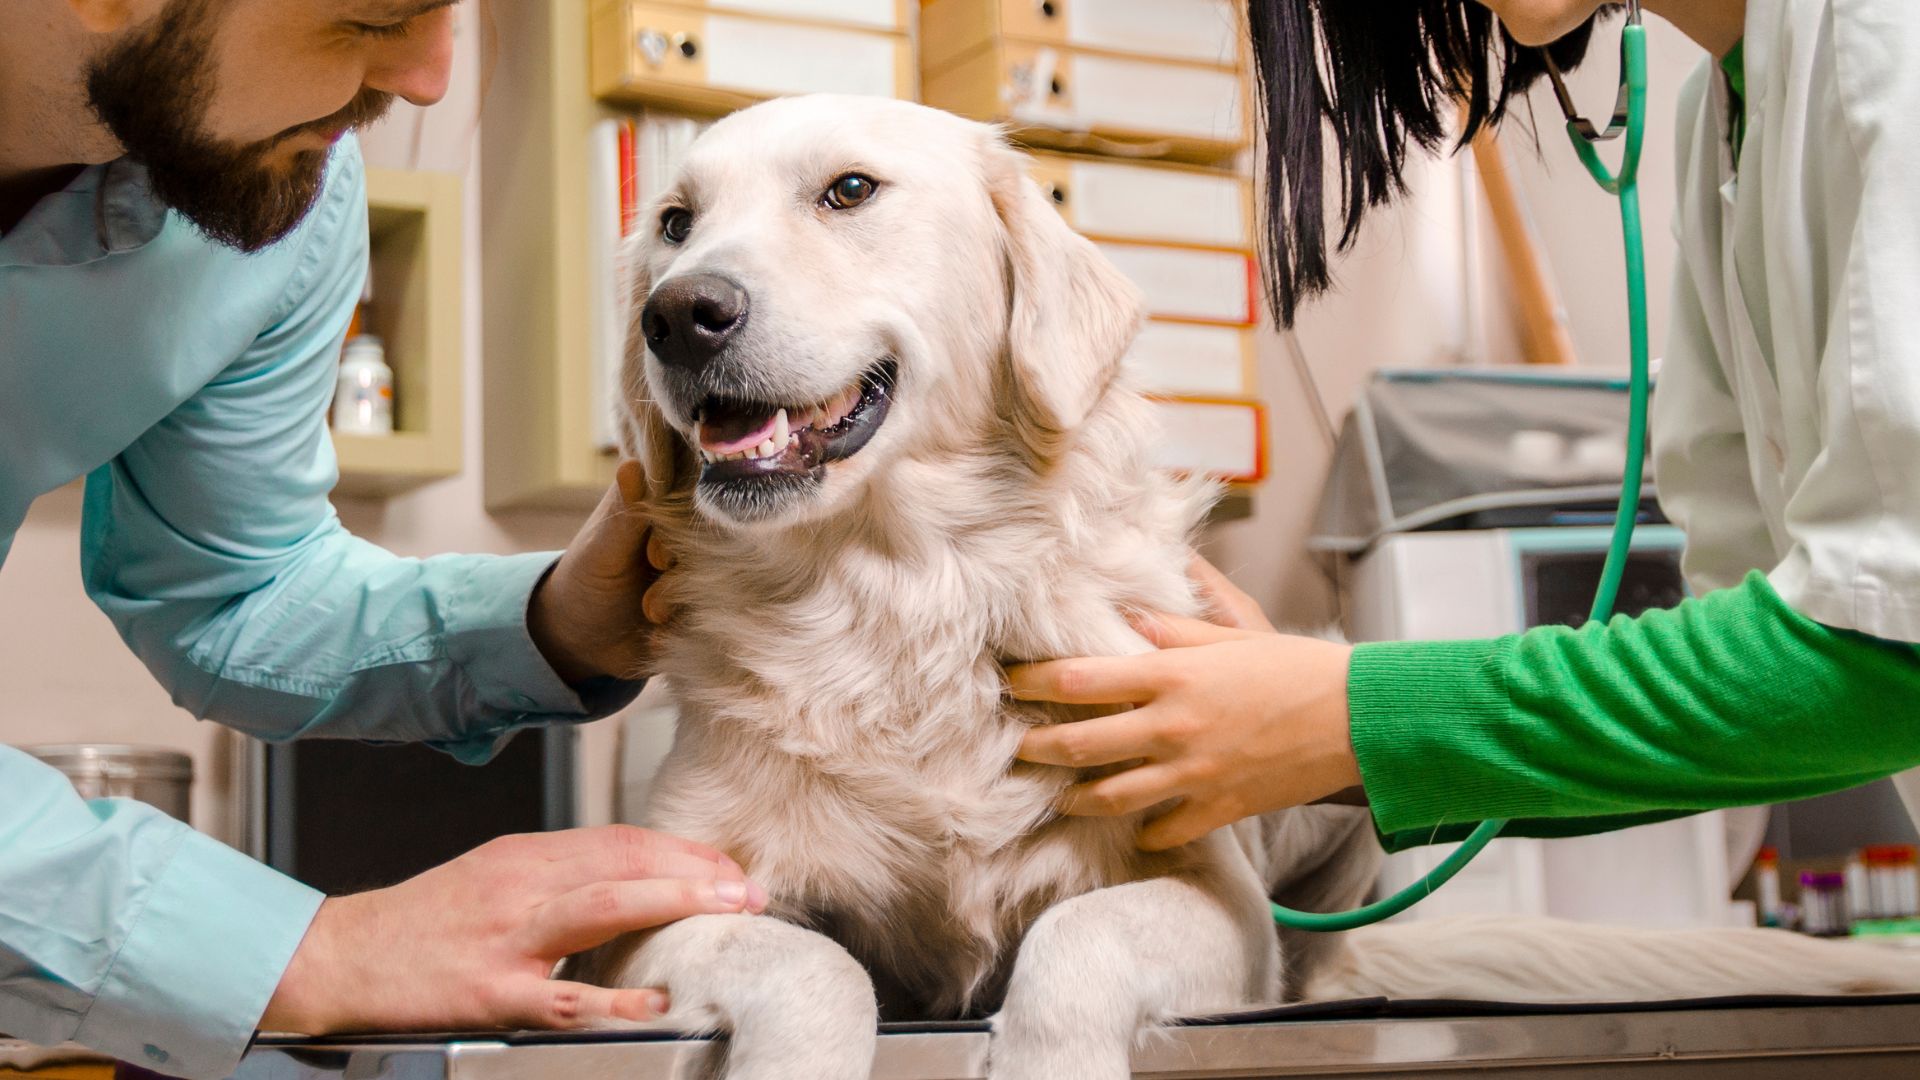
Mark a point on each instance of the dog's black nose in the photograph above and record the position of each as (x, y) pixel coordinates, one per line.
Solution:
(690, 318)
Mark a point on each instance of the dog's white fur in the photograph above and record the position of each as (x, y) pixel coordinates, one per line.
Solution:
(844, 732)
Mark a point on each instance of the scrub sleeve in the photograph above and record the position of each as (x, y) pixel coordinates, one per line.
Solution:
(1731, 699)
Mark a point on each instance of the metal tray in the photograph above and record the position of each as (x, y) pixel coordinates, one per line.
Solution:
(1858, 1038)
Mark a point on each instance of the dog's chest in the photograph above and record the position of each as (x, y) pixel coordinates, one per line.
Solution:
(918, 845)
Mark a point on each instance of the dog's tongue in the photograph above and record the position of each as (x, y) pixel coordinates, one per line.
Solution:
(731, 432)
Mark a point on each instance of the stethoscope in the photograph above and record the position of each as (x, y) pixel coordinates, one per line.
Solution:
(1629, 119)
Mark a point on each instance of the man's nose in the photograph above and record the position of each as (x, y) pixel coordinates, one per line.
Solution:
(416, 67)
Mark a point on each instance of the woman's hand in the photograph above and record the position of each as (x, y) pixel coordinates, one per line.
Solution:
(1227, 604)
(1231, 722)
(472, 944)
(592, 615)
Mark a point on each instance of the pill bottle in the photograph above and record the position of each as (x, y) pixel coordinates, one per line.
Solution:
(363, 398)
(1823, 905)
(1860, 885)
(1766, 878)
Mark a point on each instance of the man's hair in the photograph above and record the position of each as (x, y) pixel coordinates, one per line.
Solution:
(1376, 74)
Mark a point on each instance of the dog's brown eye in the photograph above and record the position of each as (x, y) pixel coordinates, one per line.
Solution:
(850, 191)
(676, 223)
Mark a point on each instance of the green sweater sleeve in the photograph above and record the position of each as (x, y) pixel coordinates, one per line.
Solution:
(1731, 699)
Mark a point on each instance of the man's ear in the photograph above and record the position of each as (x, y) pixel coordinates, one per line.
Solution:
(1070, 313)
(112, 16)
(664, 455)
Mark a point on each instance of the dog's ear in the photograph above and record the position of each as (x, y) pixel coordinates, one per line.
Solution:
(664, 456)
(1070, 313)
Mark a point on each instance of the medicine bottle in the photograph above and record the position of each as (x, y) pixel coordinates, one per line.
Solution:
(363, 398)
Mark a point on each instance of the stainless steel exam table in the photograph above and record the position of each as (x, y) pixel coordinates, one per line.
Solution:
(1841, 1039)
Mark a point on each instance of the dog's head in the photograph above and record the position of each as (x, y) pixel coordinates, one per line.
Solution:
(835, 284)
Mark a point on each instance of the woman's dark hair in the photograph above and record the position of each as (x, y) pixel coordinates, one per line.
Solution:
(1377, 74)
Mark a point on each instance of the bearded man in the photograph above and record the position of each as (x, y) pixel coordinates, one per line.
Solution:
(182, 239)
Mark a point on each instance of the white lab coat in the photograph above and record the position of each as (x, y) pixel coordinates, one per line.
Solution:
(1786, 430)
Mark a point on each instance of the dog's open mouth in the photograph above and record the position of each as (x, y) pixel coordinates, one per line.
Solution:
(742, 440)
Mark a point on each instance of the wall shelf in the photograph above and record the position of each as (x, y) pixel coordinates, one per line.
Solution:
(539, 406)
(415, 225)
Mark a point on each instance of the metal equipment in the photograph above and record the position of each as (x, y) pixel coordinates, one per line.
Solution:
(1862, 1039)
(160, 778)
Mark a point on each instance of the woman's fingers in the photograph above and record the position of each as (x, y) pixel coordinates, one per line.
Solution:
(1233, 606)
(1184, 824)
(1100, 741)
(553, 1003)
(1178, 632)
(594, 914)
(1091, 680)
(1122, 793)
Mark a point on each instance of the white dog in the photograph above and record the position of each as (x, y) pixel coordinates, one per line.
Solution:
(876, 388)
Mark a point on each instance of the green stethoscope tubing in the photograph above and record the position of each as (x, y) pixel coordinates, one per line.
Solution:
(1625, 185)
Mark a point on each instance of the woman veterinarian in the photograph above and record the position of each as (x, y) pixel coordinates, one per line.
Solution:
(1786, 438)
(183, 236)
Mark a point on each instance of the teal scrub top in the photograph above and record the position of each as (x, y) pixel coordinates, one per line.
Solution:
(189, 384)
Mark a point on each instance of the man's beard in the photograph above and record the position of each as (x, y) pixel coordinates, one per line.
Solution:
(152, 92)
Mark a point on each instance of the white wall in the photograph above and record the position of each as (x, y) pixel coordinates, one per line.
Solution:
(66, 677)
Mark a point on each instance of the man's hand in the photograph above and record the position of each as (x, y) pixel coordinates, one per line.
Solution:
(1231, 722)
(471, 945)
(593, 614)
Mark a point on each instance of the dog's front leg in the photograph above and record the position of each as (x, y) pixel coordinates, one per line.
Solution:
(795, 1004)
(1097, 970)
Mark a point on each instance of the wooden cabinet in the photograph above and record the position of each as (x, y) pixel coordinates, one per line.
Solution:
(1189, 31)
(712, 58)
(1135, 78)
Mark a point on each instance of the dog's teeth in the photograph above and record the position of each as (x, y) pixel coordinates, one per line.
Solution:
(780, 429)
(767, 448)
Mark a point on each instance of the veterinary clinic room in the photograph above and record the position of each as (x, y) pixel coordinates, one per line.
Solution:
(959, 539)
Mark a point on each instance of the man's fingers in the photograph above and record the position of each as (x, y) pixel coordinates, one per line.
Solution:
(658, 553)
(1100, 741)
(1182, 825)
(1175, 632)
(1122, 793)
(631, 479)
(620, 844)
(1233, 606)
(1090, 680)
(594, 914)
(552, 1003)
(654, 604)
(639, 864)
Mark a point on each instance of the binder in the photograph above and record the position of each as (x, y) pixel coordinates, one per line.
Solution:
(630, 163)
(1152, 203)
(1221, 437)
(1192, 358)
(1068, 99)
(714, 61)
(1193, 31)
(1191, 284)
